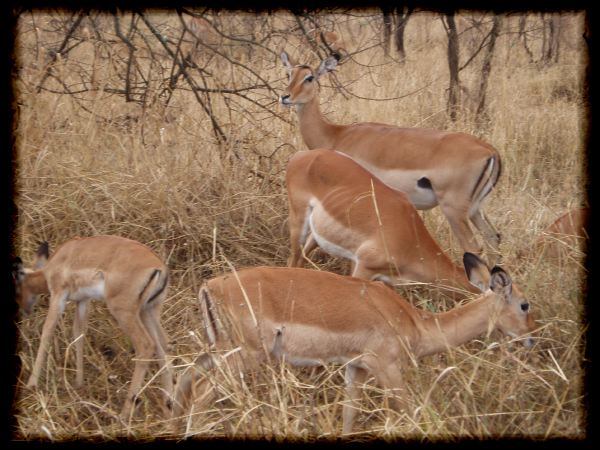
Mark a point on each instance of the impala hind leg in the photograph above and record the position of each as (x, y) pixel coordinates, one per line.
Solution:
(458, 219)
(144, 345)
(79, 330)
(489, 233)
(151, 319)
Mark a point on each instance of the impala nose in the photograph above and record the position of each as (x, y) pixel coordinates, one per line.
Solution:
(285, 99)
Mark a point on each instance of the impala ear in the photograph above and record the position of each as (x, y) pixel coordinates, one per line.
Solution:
(477, 271)
(287, 61)
(42, 255)
(328, 65)
(501, 282)
(18, 272)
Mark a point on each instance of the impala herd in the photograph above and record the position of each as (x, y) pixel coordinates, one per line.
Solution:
(355, 194)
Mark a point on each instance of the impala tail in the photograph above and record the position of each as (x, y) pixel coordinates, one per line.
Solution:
(187, 386)
(208, 315)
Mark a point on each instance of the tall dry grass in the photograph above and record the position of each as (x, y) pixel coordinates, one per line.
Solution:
(94, 164)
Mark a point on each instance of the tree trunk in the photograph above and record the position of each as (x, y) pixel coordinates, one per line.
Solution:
(487, 66)
(551, 32)
(387, 30)
(453, 49)
(401, 21)
(523, 35)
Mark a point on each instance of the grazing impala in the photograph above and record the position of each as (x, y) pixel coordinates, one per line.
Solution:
(568, 231)
(308, 318)
(453, 170)
(341, 207)
(126, 274)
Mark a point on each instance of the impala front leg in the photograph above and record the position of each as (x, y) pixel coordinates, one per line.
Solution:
(300, 251)
(361, 271)
(309, 245)
(131, 323)
(390, 377)
(354, 377)
(151, 319)
(55, 310)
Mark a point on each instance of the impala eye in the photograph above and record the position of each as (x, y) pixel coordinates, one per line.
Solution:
(525, 307)
(309, 78)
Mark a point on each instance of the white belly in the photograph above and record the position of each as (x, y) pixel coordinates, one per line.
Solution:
(93, 291)
(328, 246)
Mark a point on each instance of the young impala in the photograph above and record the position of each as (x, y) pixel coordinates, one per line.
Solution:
(453, 170)
(341, 207)
(308, 317)
(127, 275)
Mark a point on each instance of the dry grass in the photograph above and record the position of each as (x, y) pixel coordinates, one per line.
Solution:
(94, 164)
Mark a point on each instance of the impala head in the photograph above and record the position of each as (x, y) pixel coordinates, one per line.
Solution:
(303, 85)
(26, 293)
(512, 313)
(331, 40)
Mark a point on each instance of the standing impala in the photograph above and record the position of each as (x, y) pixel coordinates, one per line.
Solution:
(127, 275)
(453, 170)
(341, 207)
(308, 318)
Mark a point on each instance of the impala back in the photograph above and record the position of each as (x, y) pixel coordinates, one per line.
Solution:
(307, 317)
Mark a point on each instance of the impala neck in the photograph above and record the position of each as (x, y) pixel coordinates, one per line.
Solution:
(316, 131)
(457, 326)
(36, 283)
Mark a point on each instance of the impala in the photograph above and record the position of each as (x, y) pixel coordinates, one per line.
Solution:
(341, 207)
(127, 275)
(330, 39)
(453, 170)
(308, 318)
(568, 231)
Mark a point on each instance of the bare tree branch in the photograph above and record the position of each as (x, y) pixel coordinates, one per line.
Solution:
(78, 18)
